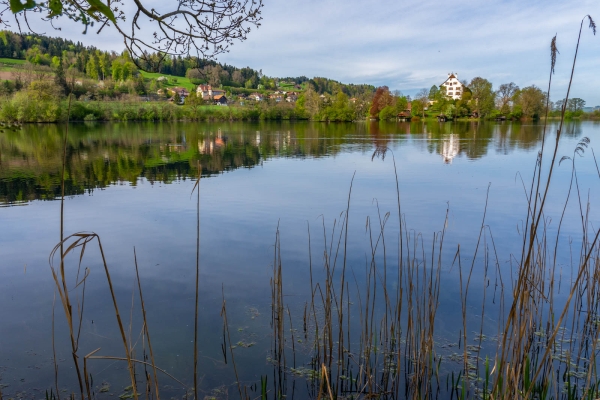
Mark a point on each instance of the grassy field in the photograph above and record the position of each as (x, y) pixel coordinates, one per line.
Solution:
(7, 64)
(172, 80)
(11, 61)
(289, 87)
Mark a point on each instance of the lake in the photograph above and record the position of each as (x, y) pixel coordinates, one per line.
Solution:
(273, 194)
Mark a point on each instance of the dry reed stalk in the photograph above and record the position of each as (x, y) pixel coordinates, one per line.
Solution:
(146, 330)
(226, 329)
(68, 309)
(82, 240)
(85, 372)
(197, 185)
(55, 364)
(325, 374)
(133, 360)
(515, 332)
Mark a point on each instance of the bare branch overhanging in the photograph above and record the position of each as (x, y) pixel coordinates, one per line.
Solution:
(199, 28)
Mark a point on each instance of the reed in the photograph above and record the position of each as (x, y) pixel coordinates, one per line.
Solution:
(540, 337)
(197, 186)
(380, 339)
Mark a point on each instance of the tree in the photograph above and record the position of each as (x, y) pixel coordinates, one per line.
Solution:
(381, 99)
(504, 95)
(60, 79)
(482, 95)
(194, 101)
(401, 103)
(531, 101)
(91, 68)
(423, 99)
(433, 92)
(140, 85)
(312, 103)
(416, 107)
(237, 77)
(117, 70)
(103, 64)
(43, 91)
(213, 74)
(575, 104)
(361, 105)
(176, 97)
(194, 75)
(181, 27)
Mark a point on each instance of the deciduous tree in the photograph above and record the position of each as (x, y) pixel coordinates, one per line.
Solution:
(423, 98)
(576, 104)
(531, 101)
(482, 95)
(381, 99)
(504, 96)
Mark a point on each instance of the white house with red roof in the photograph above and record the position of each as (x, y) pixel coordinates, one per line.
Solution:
(454, 88)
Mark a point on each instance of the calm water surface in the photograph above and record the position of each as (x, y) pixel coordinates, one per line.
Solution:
(132, 185)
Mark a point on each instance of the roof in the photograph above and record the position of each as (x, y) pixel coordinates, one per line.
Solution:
(220, 96)
(451, 76)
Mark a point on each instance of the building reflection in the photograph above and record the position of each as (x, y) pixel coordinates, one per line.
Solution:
(450, 148)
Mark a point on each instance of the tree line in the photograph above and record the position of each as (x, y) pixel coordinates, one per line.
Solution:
(478, 99)
(90, 62)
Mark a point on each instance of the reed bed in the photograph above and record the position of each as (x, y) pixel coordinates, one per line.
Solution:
(373, 331)
(546, 344)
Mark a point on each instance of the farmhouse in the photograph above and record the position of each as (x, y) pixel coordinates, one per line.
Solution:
(221, 100)
(204, 91)
(207, 92)
(454, 89)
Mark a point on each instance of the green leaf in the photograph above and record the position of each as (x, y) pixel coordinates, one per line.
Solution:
(97, 5)
(56, 8)
(16, 5)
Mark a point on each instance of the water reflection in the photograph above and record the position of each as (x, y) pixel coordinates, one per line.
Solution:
(450, 148)
(103, 154)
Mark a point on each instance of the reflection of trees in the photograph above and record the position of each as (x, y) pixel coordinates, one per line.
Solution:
(475, 139)
(379, 138)
(100, 155)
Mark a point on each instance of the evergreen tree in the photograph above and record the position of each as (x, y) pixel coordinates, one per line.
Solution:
(59, 76)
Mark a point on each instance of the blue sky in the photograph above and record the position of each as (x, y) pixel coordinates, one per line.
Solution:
(413, 45)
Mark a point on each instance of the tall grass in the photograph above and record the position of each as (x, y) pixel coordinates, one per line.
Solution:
(376, 338)
(546, 346)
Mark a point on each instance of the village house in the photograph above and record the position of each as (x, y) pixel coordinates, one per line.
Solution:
(213, 93)
(220, 100)
(182, 92)
(454, 88)
(406, 114)
(256, 96)
(207, 92)
(203, 91)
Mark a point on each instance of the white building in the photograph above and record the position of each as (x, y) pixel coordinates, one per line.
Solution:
(454, 89)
